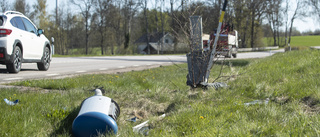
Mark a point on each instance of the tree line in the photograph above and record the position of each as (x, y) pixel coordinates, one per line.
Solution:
(112, 26)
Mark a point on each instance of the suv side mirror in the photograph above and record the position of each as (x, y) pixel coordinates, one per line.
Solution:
(40, 31)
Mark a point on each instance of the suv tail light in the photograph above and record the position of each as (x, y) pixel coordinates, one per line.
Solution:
(5, 31)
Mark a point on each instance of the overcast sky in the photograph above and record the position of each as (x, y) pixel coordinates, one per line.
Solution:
(305, 25)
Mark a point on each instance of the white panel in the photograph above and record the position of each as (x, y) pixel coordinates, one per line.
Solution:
(96, 104)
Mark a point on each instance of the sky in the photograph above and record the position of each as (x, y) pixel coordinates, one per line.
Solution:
(307, 24)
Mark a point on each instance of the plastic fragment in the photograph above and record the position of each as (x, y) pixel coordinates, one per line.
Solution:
(11, 103)
(162, 116)
(143, 128)
(132, 119)
(257, 102)
(216, 85)
(139, 128)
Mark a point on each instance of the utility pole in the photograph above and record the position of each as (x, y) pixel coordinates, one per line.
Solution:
(57, 21)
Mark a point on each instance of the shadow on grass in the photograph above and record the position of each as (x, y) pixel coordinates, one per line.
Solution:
(239, 63)
(65, 125)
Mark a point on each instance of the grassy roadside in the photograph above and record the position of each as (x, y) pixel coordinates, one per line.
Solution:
(297, 41)
(289, 80)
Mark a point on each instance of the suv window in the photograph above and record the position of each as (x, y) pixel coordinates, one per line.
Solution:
(13, 23)
(19, 23)
(29, 26)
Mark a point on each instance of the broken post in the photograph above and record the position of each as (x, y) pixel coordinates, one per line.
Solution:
(199, 61)
(197, 58)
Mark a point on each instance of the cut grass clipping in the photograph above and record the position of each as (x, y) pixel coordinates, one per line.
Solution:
(289, 80)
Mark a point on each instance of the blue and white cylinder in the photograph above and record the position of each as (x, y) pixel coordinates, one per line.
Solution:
(97, 116)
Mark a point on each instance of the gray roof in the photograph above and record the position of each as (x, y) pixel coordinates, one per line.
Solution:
(166, 47)
(154, 37)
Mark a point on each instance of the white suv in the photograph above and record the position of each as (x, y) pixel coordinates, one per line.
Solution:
(21, 41)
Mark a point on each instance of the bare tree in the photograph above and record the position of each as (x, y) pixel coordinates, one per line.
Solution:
(286, 21)
(40, 13)
(85, 10)
(273, 15)
(4, 4)
(63, 25)
(101, 11)
(146, 19)
(316, 7)
(21, 6)
(118, 26)
(162, 26)
(298, 13)
(241, 19)
(257, 8)
(130, 10)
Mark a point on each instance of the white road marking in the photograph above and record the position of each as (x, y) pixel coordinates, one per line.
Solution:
(121, 67)
(54, 74)
(8, 79)
(81, 71)
(103, 69)
(149, 64)
(136, 65)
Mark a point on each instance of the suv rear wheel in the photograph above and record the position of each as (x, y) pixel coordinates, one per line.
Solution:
(45, 60)
(15, 66)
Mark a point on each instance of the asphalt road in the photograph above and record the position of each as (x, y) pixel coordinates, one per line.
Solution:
(63, 67)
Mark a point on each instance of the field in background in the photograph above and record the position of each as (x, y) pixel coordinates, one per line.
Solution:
(297, 41)
(290, 81)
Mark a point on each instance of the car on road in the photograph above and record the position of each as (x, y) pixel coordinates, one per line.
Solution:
(22, 42)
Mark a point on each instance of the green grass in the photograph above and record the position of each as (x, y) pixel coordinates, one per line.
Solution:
(298, 41)
(290, 80)
(305, 41)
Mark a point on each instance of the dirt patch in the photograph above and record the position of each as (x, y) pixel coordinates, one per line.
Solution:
(143, 108)
(170, 108)
(311, 104)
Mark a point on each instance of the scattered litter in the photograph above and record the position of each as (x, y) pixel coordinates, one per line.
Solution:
(257, 102)
(142, 128)
(162, 116)
(132, 119)
(216, 85)
(11, 103)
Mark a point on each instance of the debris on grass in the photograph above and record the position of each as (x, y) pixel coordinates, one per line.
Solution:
(144, 127)
(216, 85)
(281, 100)
(266, 101)
(11, 103)
(132, 119)
(162, 116)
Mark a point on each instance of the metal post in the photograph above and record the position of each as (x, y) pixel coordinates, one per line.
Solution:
(216, 41)
(196, 59)
(196, 33)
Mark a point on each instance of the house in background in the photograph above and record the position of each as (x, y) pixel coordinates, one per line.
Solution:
(156, 47)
